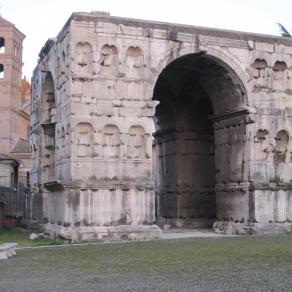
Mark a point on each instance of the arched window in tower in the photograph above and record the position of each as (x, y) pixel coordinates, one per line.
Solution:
(15, 50)
(2, 45)
(1, 71)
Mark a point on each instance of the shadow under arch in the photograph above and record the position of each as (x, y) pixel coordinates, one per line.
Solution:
(200, 138)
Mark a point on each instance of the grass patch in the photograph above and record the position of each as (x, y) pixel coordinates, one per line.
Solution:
(252, 263)
(21, 237)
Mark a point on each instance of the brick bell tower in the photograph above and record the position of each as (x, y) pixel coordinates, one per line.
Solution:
(10, 83)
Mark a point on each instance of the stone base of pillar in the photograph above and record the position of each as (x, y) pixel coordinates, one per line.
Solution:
(236, 228)
(111, 233)
(185, 223)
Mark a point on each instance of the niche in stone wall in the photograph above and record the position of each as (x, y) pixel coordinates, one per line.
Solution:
(83, 58)
(263, 148)
(57, 146)
(134, 57)
(63, 142)
(34, 141)
(109, 56)
(63, 63)
(279, 75)
(111, 141)
(259, 72)
(67, 141)
(136, 145)
(48, 102)
(282, 139)
(134, 61)
(84, 139)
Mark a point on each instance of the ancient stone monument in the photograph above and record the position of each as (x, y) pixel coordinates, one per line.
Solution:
(221, 103)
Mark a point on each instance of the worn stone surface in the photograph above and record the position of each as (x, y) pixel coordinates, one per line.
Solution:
(7, 250)
(222, 111)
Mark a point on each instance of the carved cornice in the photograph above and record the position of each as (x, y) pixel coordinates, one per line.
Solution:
(233, 118)
(110, 185)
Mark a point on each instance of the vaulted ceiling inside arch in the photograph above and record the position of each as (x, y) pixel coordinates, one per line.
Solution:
(198, 79)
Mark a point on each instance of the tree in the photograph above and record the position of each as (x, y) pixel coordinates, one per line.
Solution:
(284, 32)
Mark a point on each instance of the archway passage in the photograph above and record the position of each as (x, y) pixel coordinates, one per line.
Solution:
(200, 140)
(48, 123)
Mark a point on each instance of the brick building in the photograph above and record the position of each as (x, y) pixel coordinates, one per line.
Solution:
(14, 113)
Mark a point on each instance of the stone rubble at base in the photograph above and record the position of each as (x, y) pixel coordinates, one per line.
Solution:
(7, 250)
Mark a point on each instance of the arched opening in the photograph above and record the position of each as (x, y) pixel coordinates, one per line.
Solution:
(48, 122)
(1, 71)
(200, 140)
(2, 45)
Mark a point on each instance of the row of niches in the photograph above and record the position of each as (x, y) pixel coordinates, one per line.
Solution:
(107, 61)
(109, 143)
(272, 149)
(275, 77)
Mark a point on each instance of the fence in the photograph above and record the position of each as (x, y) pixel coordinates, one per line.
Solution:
(13, 200)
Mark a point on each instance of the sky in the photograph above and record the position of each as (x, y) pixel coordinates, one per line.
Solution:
(43, 19)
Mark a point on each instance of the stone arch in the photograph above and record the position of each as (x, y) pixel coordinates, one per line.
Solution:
(111, 141)
(48, 122)
(280, 66)
(48, 99)
(84, 139)
(83, 58)
(136, 142)
(226, 59)
(201, 98)
(259, 64)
